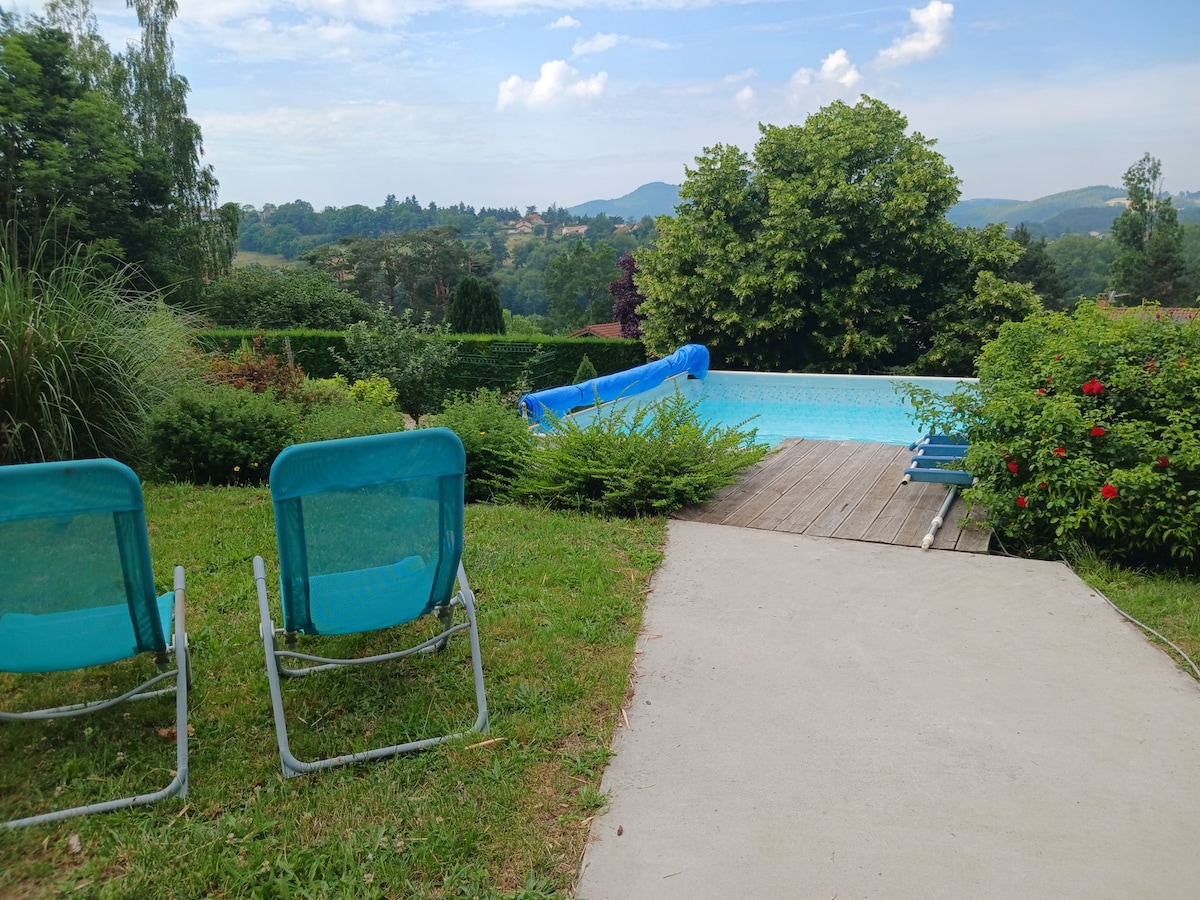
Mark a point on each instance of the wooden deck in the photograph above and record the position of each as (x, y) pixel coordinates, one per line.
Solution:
(842, 489)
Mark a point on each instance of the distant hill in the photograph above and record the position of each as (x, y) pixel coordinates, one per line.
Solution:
(654, 199)
(1070, 212)
(978, 213)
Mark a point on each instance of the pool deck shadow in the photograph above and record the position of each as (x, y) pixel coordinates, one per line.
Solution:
(850, 490)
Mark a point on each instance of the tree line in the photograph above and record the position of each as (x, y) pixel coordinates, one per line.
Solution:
(97, 150)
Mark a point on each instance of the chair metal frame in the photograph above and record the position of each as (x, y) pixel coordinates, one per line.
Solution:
(278, 669)
(175, 650)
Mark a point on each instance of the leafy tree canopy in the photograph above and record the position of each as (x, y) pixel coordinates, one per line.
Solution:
(475, 308)
(74, 116)
(1150, 263)
(828, 250)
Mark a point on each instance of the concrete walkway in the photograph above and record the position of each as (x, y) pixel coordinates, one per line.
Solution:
(818, 719)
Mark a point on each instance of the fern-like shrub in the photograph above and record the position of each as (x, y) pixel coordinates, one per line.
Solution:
(630, 462)
(495, 437)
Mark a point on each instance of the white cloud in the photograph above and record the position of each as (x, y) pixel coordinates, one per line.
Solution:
(933, 25)
(598, 43)
(837, 67)
(565, 22)
(745, 98)
(558, 82)
(837, 74)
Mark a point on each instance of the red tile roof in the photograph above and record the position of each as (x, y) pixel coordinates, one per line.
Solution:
(604, 330)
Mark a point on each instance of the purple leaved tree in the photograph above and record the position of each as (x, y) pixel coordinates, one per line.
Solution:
(627, 298)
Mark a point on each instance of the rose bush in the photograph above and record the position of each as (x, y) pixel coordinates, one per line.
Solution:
(1085, 428)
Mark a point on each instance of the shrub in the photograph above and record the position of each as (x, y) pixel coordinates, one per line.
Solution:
(406, 352)
(496, 439)
(632, 462)
(257, 370)
(83, 359)
(1086, 429)
(258, 297)
(351, 419)
(220, 434)
(377, 391)
(585, 372)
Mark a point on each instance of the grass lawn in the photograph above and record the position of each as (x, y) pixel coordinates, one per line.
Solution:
(506, 815)
(1167, 602)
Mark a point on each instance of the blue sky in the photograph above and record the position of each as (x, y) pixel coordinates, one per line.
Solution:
(518, 102)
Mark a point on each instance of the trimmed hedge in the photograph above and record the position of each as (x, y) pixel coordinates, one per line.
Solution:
(489, 360)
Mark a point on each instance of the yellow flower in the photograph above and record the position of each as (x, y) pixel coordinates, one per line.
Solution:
(237, 468)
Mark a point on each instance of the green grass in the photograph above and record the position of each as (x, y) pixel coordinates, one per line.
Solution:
(560, 602)
(244, 258)
(1168, 602)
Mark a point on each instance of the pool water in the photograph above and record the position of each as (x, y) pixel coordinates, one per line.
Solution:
(818, 407)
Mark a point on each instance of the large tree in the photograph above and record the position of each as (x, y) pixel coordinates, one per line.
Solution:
(576, 284)
(827, 250)
(75, 116)
(1150, 264)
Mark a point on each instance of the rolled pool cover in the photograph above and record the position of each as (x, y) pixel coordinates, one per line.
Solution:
(690, 358)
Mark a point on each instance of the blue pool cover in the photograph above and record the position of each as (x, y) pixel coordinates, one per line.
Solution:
(690, 358)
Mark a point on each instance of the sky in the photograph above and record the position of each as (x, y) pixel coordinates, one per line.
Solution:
(512, 103)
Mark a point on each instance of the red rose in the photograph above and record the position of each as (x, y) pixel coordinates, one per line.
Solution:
(1042, 485)
(1108, 492)
(1098, 432)
(1012, 467)
(1021, 502)
(1163, 462)
(1041, 390)
(1092, 387)
(1060, 451)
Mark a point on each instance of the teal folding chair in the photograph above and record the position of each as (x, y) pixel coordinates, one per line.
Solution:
(77, 590)
(370, 535)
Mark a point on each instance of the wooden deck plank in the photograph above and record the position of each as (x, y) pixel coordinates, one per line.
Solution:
(846, 490)
(926, 501)
(864, 516)
(748, 513)
(729, 499)
(854, 494)
(834, 498)
(808, 488)
(975, 536)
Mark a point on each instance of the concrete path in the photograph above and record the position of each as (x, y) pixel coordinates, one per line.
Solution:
(818, 719)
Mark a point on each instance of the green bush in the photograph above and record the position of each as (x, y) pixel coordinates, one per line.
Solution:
(341, 420)
(403, 350)
(83, 359)
(220, 435)
(1085, 428)
(496, 439)
(633, 462)
(585, 372)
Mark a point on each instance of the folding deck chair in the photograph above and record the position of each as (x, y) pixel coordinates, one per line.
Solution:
(370, 535)
(77, 590)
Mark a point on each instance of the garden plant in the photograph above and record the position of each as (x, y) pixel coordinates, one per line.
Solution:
(1085, 430)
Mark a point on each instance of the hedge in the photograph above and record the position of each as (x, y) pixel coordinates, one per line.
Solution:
(493, 361)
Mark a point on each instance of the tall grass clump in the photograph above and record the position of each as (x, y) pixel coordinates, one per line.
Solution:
(83, 357)
(651, 460)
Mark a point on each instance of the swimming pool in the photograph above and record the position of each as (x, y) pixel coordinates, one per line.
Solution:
(818, 407)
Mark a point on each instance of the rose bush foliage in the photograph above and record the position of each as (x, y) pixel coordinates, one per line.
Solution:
(1085, 428)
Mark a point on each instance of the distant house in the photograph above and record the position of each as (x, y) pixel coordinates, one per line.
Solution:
(522, 227)
(569, 230)
(603, 330)
(1178, 313)
(625, 229)
(535, 219)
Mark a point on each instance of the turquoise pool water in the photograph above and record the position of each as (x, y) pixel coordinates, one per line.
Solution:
(818, 407)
